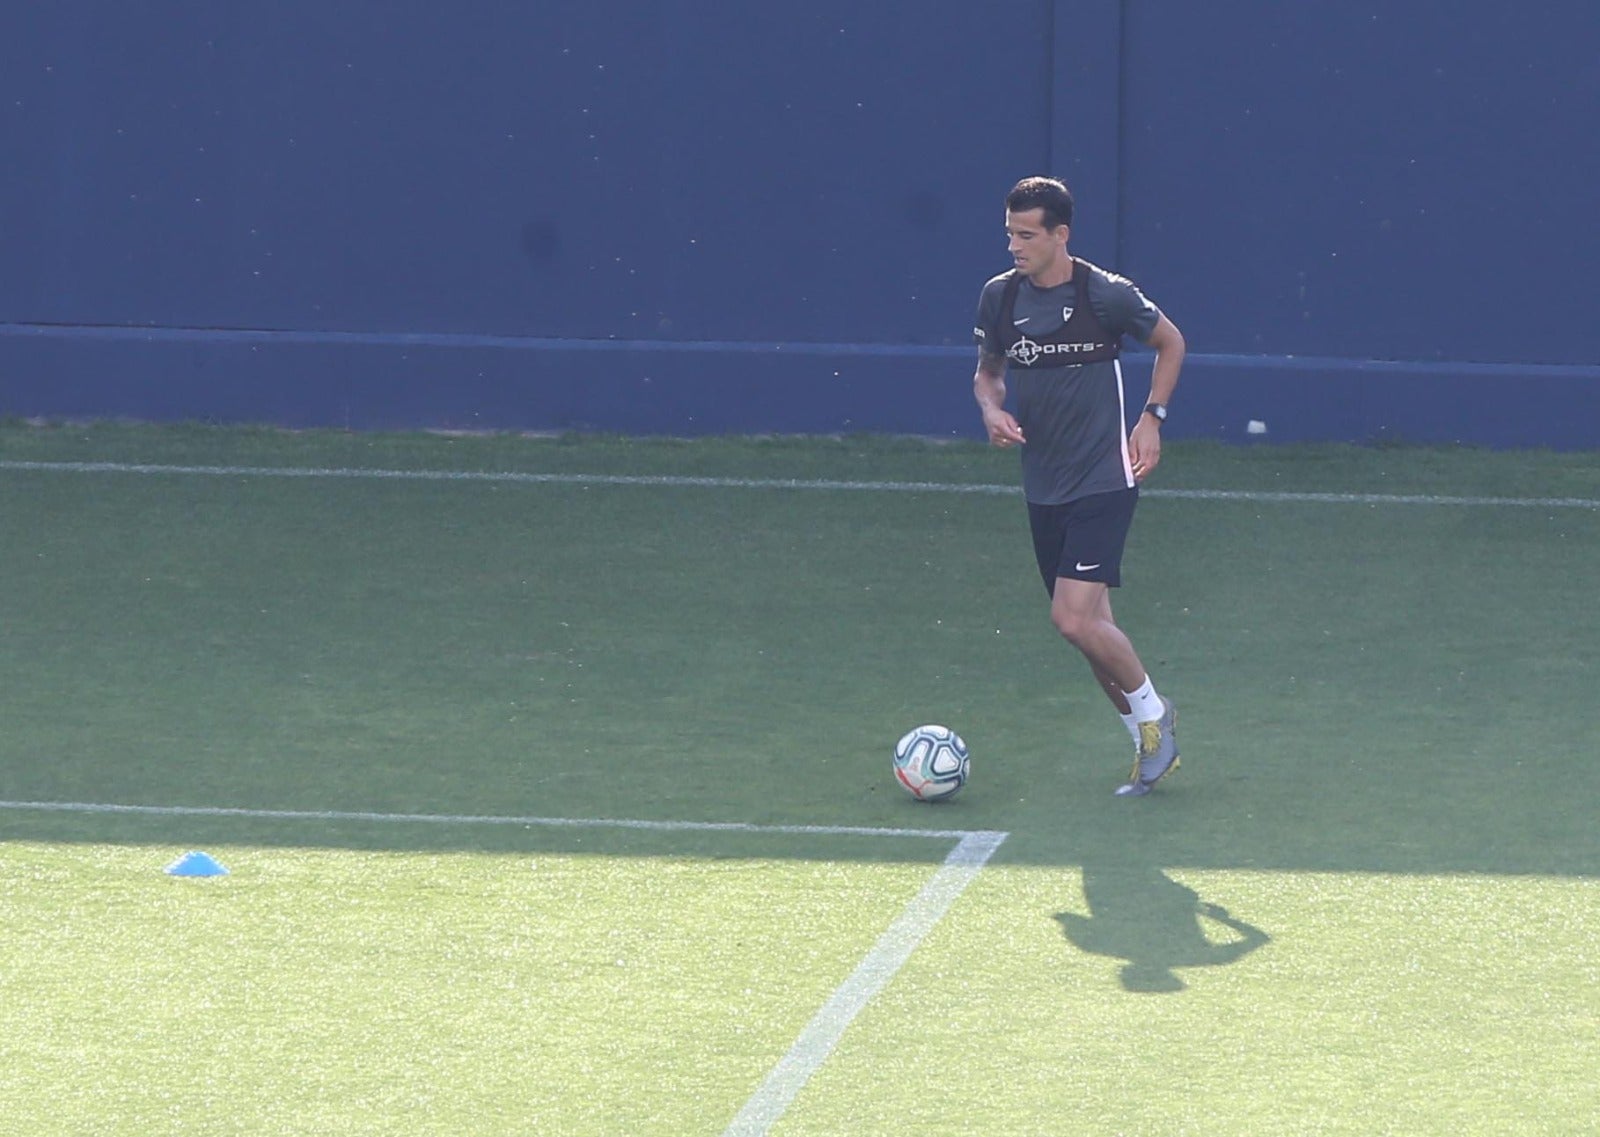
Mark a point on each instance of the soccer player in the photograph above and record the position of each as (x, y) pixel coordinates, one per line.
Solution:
(1056, 322)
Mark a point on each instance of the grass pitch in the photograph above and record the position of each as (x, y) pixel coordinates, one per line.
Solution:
(1365, 905)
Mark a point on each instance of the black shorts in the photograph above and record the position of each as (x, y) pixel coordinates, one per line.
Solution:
(1083, 539)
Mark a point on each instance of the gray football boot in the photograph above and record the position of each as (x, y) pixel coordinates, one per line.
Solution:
(1157, 755)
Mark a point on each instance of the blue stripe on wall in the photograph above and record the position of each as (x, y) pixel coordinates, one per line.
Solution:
(372, 380)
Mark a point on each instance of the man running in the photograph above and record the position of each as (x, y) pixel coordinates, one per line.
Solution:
(1058, 321)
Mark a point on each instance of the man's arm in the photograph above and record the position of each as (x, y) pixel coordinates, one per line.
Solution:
(1169, 345)
(1144, 443)
(989, 388)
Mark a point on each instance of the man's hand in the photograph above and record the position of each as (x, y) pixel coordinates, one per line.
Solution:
(1003, 429)
(1144, 447)
(989, 387)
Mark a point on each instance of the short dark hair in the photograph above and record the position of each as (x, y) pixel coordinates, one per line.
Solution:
(1048, 194)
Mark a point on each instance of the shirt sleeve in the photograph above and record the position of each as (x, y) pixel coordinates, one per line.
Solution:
(1122, 308)
(985, 327)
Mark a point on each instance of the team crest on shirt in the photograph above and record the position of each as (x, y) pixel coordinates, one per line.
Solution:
(1066, 313)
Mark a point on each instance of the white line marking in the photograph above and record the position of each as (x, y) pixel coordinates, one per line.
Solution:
(477, 819)
(1376, 498)
(821, 1035)
(514, 477)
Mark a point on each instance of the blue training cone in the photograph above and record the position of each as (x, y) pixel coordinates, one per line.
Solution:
(196, 864)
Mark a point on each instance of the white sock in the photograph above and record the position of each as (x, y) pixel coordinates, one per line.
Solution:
(1133, 727)
(1145, 702)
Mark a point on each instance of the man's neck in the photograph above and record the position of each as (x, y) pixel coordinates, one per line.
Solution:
(1058, 273)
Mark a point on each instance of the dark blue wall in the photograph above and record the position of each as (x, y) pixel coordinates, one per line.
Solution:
(712, 215)
(1390, 180)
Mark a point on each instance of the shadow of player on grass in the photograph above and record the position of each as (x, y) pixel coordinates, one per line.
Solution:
(1141, 915)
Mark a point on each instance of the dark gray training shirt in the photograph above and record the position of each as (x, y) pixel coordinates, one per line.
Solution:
(1071, 414)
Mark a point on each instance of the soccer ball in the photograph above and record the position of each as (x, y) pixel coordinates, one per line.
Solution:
(931, 762)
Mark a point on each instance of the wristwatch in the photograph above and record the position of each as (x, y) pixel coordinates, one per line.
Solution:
(1159, 410)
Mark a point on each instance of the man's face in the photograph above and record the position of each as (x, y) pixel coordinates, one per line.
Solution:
(1035, 248)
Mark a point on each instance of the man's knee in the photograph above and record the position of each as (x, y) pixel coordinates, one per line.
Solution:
(1078, 609)
(1073, 623)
